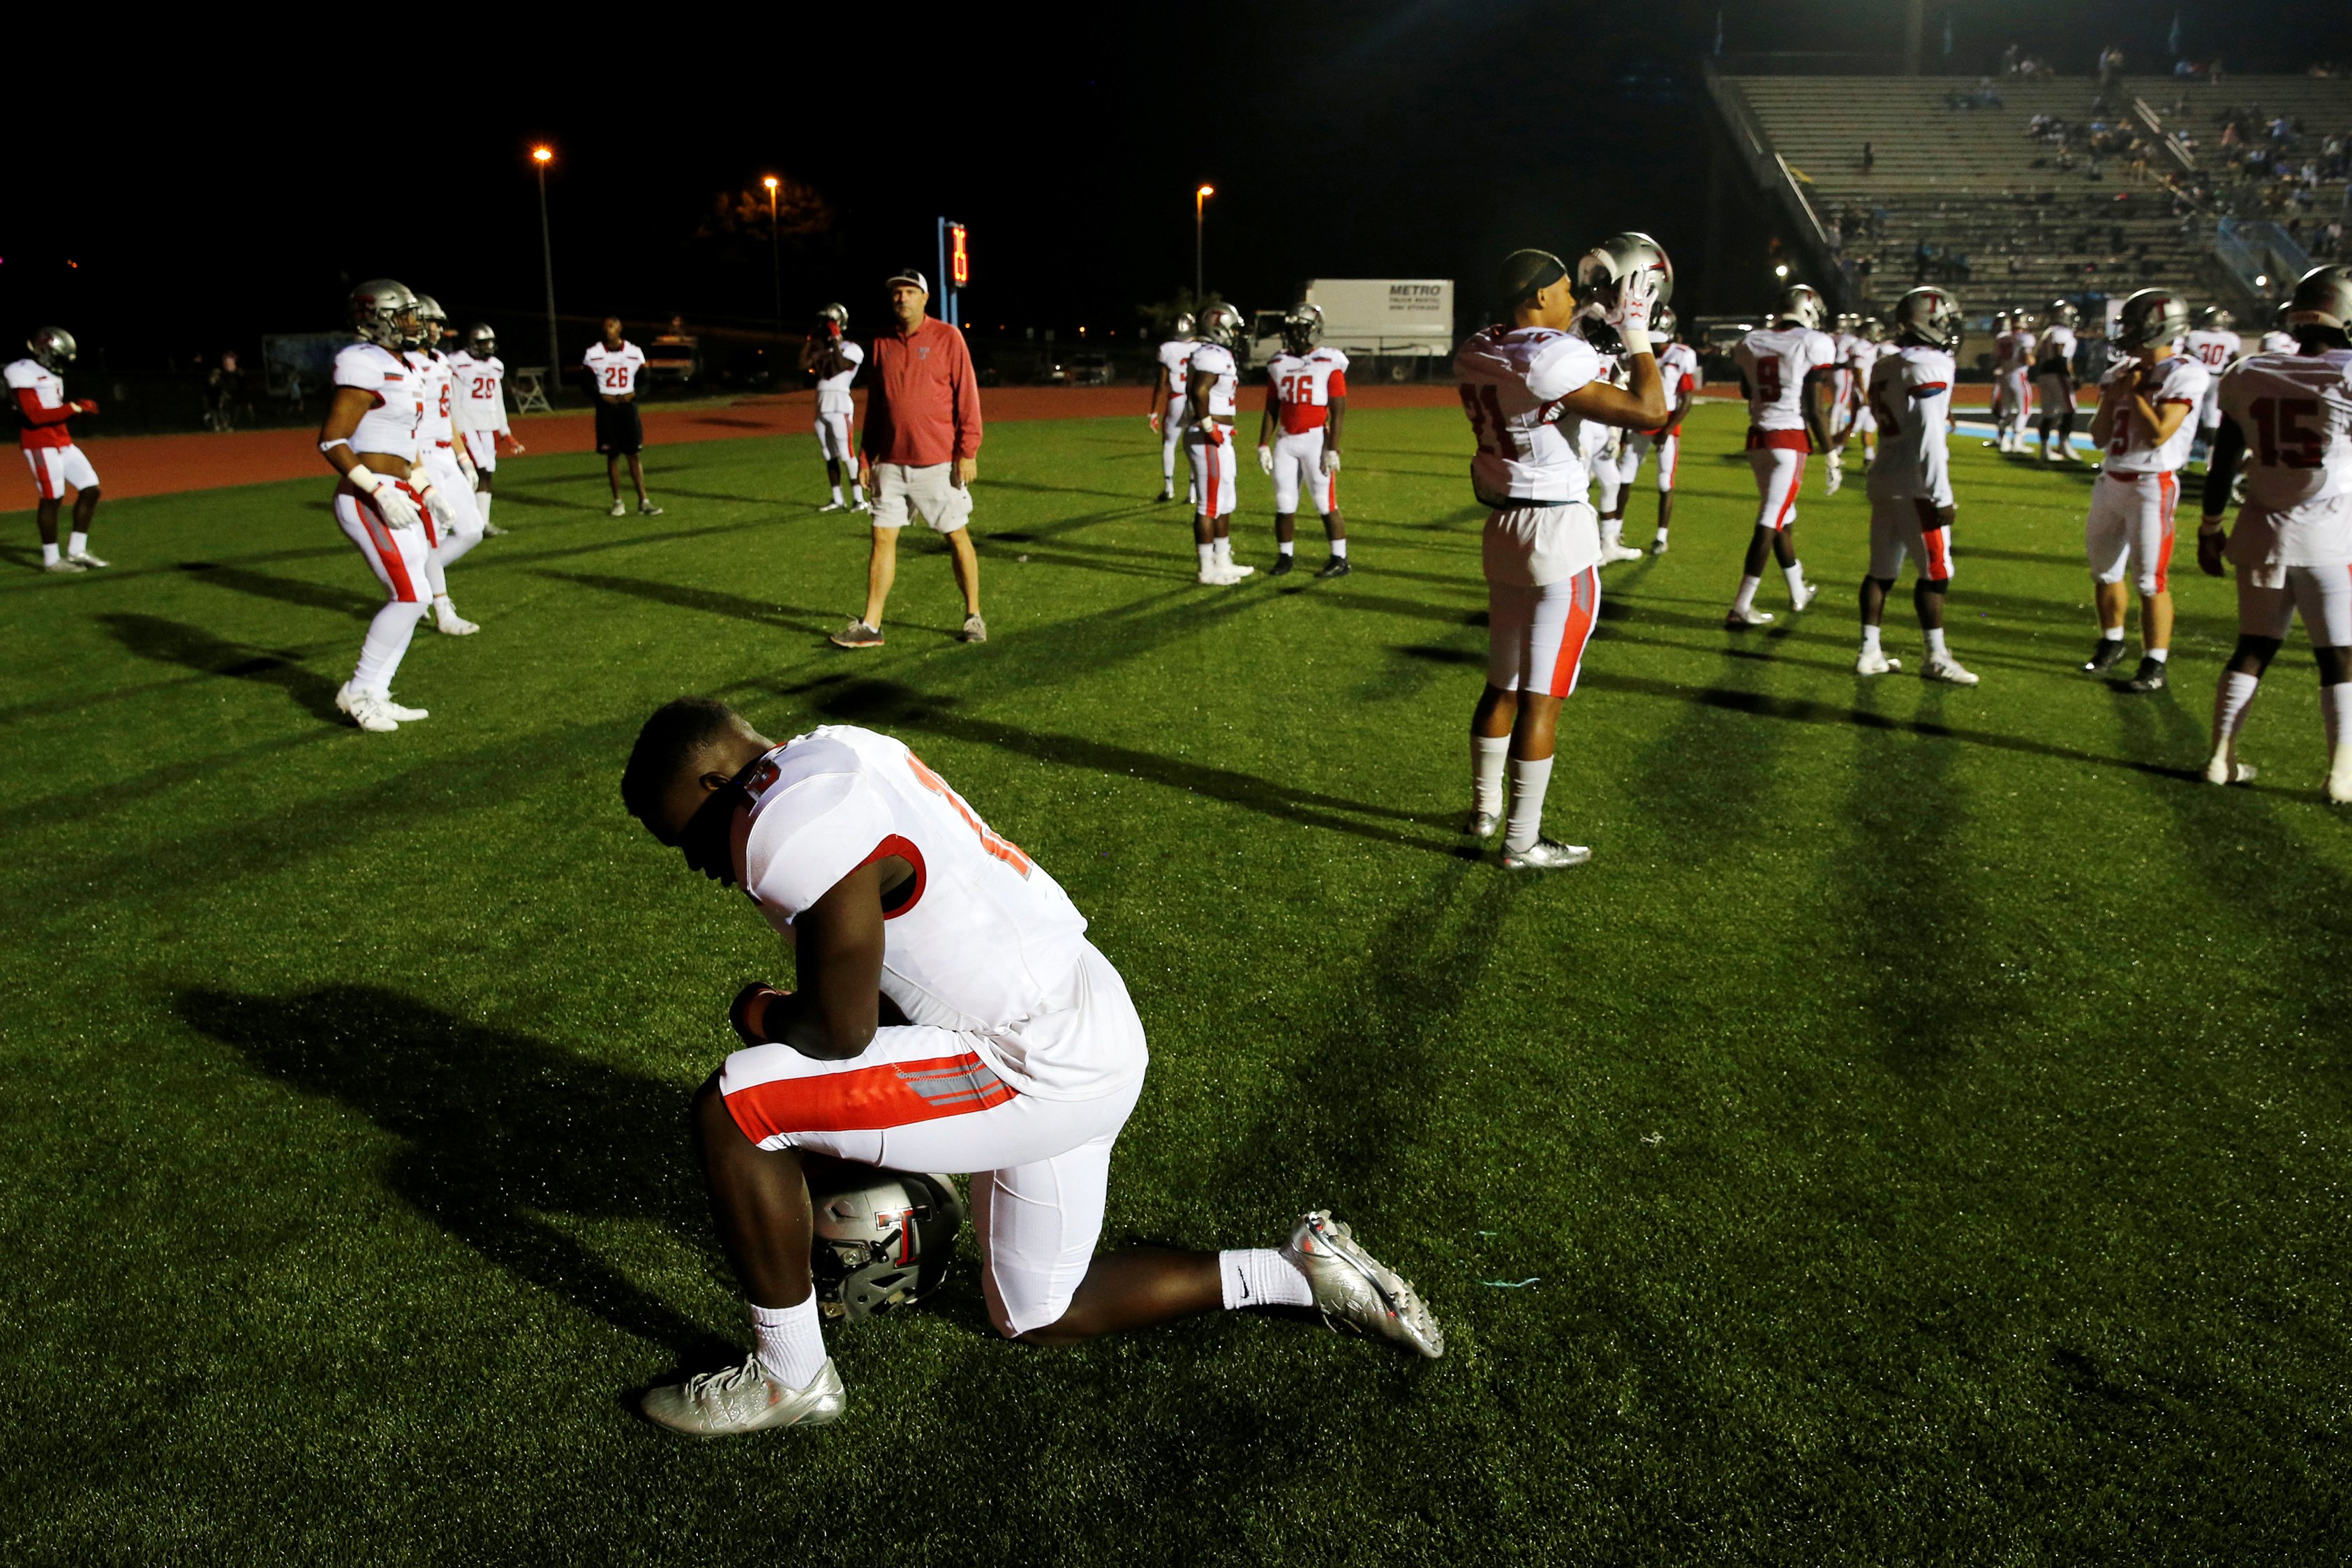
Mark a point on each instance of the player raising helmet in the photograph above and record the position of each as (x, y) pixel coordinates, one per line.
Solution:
(1299, 437)
(2290, 416)
(1521, 380)
(1910, 486)
(1212, 384)
(828, 355)
(36, 387)
(1785, 370)
(2143, 425)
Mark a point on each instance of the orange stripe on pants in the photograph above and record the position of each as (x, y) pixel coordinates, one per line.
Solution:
(892, 1095)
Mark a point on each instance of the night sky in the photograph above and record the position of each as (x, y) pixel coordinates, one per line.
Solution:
(224, 187)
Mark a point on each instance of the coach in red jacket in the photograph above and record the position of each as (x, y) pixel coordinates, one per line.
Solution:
(920, 450)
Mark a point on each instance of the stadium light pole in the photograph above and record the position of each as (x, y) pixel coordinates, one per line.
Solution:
(1199, 203)
(776, 248)
(540, 156)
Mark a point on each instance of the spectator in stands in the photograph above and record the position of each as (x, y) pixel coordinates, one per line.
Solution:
(2009, 59)
(1869, 159)
(1923, 257)
(2111, 68)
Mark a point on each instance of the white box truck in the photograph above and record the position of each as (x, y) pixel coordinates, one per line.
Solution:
(1385, 318)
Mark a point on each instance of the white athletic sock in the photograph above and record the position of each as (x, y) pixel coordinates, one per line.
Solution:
(856, 493)
(1613, 530)
(49, 555)
(1935, 649)
(1208, 556)
(1795, 573)
(387, 640)
(1262, 1277)
(2159, 655)
(791, 1341)
(1339, 549)
(1528, 781)
(1870, 635)
(1224, 548)
(2231, 700)
(2111, 633)
(1662, 535)
(837, 495)
(1487, 755)
(77, 543)
(2335, 708)
(1286, 547)
(482, 504)
(1747, 599)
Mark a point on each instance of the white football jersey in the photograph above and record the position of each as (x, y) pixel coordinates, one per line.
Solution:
(616, 369)
(2181, 380)
(481, 403)
(1300, 387)
(1512, 381)
(1678, 372)
(833, 391)
(2297, 412)
(1210, 358)
(390, 427)
(1176, 358)
(981, 938)
(48, 389)
(1911, 396)
(1775, 361)
(2277, 342)
(1860, 353)
(433, 397)
(2214, 351)
(2058, 344)
(2013, 350)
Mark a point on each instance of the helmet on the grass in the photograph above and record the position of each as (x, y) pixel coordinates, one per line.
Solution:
(884, 1243)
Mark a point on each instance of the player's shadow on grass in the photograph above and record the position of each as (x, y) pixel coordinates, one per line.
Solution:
(789, 617)
(283, 590)
(194, 648)
(498, 1128)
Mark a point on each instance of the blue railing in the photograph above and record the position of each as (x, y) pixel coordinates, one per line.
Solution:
(2264, 258)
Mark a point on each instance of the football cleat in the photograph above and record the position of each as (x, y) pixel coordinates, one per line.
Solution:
(449, 623)
(1660, 546)
(1946, 669)
(1799, 602)
(87, 559)
(857, 634)
(2339, 776)
(744, 1399)
(1741, 620)
(1545, 855)
(64, 563)
(400, 714)
(861, 506)
(1336, 566)
(620, 508)
(833, 507)
(2223, 769)
(1873, 663)
(2149, 677)
(975, 630)
(1481, 825)
(492, 532)
(366, 709)
(646, 508)
(1355, 1292)
(1610, 554)
(1167, 494)
(1234, 570)
(1213, 576)
(1283, 566)
(2109, 650)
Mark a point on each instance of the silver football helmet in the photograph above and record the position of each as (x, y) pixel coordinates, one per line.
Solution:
(431, 322)
(53, 348)
(1929, 316)
(2151, 316)
(2322, 298)
(480, 341)
(1800, 303)
(1183, 326)
(884, 1243)
(1221, 325)
(383, 312)
(838, 315)
(1875, 329)
(2215, 319)
(1600, 270)
(1665, 325)
(1302, 329)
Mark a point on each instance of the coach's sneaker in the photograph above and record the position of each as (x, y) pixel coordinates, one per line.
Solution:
(975, 630)
(84, 558)
(1545, 855)
(2149, 677)
(2109, 650)
(1355, 1292)
(1283, 565)
(1944, 668)
(64, 563)
(857, 634)
(646, 508)
(861, 505)
(1336, 566)
(366, 709)
(744, 1399)
(1738, 620)
(2223, 767)
(1874, 663)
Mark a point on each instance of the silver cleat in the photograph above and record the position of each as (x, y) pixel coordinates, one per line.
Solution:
(1481, 825)
(744, 1399)
(1545, 855)
(1355, 1292)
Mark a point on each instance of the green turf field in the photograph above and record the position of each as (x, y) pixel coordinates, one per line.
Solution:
(1920, 1135)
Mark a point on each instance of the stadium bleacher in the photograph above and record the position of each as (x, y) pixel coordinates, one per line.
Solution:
(1954, 170)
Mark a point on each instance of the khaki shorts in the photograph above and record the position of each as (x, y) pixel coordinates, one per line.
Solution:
(897, 487)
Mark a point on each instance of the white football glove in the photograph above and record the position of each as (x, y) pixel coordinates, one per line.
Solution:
(438, 505)
(392, 503)
(1332, 461)
(1152, 420)
(1637, 302)
(1266, 459)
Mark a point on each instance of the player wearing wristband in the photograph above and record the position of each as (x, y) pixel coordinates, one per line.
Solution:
(615, 369)
(1171, 402)
(1212, 383)
(370, 440)
(480, 412)
(2289, 417)
(1299, 437)
(1784, 369)
(37, 392)
(1911, 485)
(949, 1016)
(2145, 426)
(454, 527)
(829, 355)
(1526, 383)
(1678, 371)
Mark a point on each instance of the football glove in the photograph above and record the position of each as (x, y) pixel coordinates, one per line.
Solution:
(438, 505)
(1266, 459)
(749, 1012)
(392, 502)
(2209, 544)
(1153, 419)
(1332, 461)
(85, 405)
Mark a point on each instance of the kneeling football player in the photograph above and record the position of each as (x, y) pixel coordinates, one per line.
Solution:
(1911, 484)
(951, 1017)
